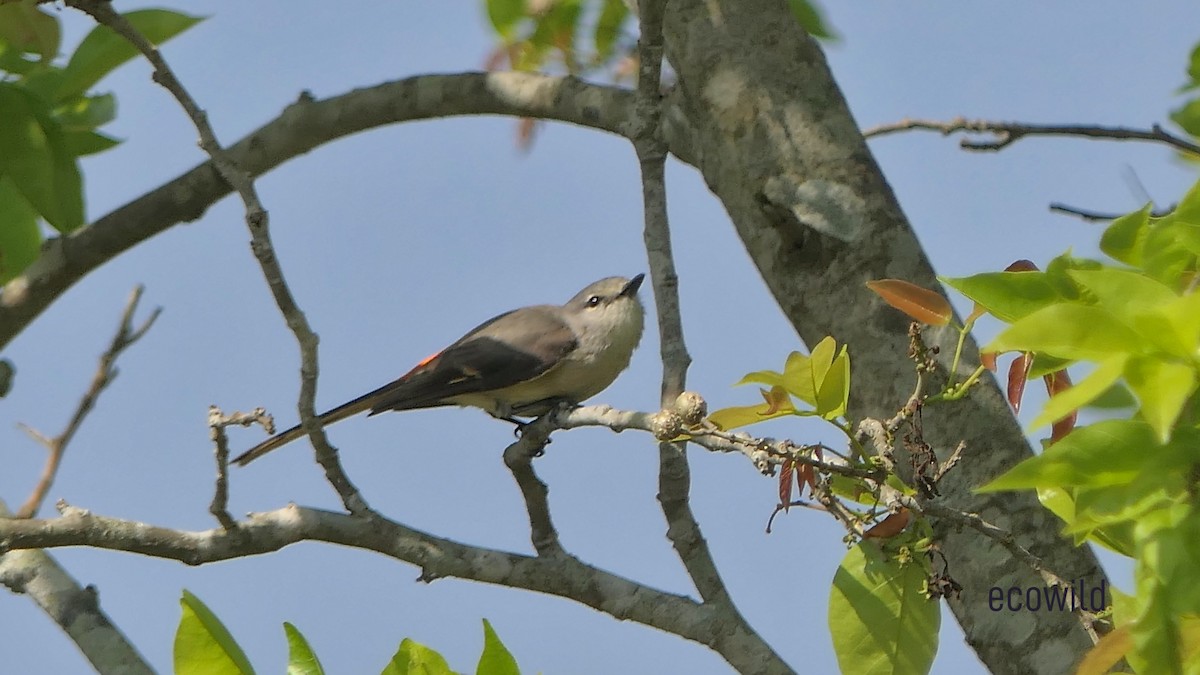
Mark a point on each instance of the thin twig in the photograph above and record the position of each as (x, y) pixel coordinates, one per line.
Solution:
(125, 336)
(258, 222)
(1006, 539)
(217, 421)
(1099, 216)
(1007, 133)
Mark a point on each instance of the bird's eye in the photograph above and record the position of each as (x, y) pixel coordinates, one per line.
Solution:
(593, 301)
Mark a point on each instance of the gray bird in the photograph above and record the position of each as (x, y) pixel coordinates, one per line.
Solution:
(519, 364)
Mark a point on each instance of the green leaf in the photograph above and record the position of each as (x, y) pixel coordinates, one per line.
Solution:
(834, 394)
(1115, 397)
(34, 155)
(43, 82)
(608, 27)
(1106, 453)
(810, 19)
(1124, 293)
(1173, 327)
(1188, 208)
(203, 645)
(745, 415)
(820, 361)
(103, 50)
(1116, 538)
(1070, 331)
(504, 15)
(556, 27)
(20, 236)
(879, 617)
(1168, 250)
(80, 143)
(767, 377)
(1125, 505)
(496, 659)
(1007, 295)
(301, 659)
(1044, 364)
(1058, 274)
(87, 112)
(414, 658)
(1166, 587)
(1124, 238)
(13, 61)
(1163, 388)
(29, 29)
(1090, 388)
(798, 378)
(1188, 117)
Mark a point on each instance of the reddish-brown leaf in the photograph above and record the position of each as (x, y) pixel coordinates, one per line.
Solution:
(1056, 382)
(890, 526)
(988, 359)
(525, 128)
(1018, 375)
(806, 477)
(786, 471)
(1021, 266)
(921, 304)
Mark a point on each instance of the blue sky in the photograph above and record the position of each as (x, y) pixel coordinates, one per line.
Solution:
(398, 240)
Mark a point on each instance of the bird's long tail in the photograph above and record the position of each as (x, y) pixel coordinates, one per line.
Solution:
(338, 414)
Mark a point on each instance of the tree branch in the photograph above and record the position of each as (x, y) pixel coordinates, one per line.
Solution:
(125, 336)
(302, 127)
(76, 609)
(258, 221)
(518, 457)
(674, 475)
(1007, 133)
(562, 576)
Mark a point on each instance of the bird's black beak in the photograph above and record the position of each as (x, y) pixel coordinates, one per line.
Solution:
(632, 287)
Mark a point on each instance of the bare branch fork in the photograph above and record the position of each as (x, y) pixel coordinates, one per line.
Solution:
(125, 336)
(1007, 133)
(258, 222)
(217, 421)
(519, 458)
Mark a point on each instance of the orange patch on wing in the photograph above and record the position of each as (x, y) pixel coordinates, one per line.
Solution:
(421, 365)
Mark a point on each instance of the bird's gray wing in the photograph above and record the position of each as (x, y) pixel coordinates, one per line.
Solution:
(509, 349)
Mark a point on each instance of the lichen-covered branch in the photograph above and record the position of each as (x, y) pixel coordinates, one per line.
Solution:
(76, 609)
(438, 558)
